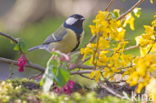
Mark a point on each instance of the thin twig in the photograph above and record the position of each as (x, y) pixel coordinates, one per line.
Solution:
(85, 66)
(83, 61)
(126, 49)
(131, 9)
(38, 76)
(12, 39)
(86, 77)
(10, 75)
(31, 65)
(108, 6)
(81, 72)
(81, 66)
(40, 68)
(131, 47)
(149, 50)
(96, 50)
(110, 90)
(9, 37)
(92, 38)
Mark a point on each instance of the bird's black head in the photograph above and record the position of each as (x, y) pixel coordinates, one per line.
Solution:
(75, 22)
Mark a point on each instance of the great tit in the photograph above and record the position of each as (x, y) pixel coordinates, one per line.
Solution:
(66, 38)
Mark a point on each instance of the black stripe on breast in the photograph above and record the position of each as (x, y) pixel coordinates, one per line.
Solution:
(78, 43)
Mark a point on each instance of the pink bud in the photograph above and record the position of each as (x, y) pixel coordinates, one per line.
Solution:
(22, 61)
(67, 89)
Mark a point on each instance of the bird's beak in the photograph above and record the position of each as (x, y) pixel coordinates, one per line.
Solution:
(82, 19)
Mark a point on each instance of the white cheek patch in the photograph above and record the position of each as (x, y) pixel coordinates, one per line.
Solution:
(71, 21)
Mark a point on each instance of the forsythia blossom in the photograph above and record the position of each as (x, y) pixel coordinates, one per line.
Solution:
(142, 70)
(107, 54)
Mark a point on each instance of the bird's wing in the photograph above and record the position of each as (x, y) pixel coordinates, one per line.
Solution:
(56, 36)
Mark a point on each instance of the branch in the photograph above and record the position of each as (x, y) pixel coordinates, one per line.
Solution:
(131, 9)
(86, 77)
(12, 39)
(110, 90)
(81, 72)
(86, 59)
(40, 68)
(108, 6)
(131, 47)
(92, 39)
(31, 65)
(126, 49)
(85, 66)
(9, 37)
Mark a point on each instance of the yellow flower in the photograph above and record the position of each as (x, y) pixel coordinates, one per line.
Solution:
(154, 23)
(141, 72)
(107, 72)
(93, 29)
(149, 30)
(129, 20)
(95, 74)
(121, 34)
(120, 47)
(145, 50)
(103, 43)
(139, 88)
(88, 50)
(126, 59)
(102, 58)
(133, 79)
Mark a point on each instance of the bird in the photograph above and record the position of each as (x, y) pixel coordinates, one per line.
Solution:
(66, 38)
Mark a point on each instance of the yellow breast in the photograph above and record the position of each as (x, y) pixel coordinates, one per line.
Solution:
(67, 44)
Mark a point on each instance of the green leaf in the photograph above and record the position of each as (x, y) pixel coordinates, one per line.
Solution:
(17, 47)
(20, 46)
(115, 13)
(62, 76)
(54, 72)
(49, 75)
(137, 12)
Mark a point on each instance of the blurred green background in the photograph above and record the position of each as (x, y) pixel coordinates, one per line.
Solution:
(32, 21)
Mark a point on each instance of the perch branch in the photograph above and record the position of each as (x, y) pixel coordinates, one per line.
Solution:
(12, 39)
(131, 9)
(9, 37)
(40, 68)
(31, 65)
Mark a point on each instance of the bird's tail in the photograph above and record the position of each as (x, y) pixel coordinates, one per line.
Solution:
(38, 47)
